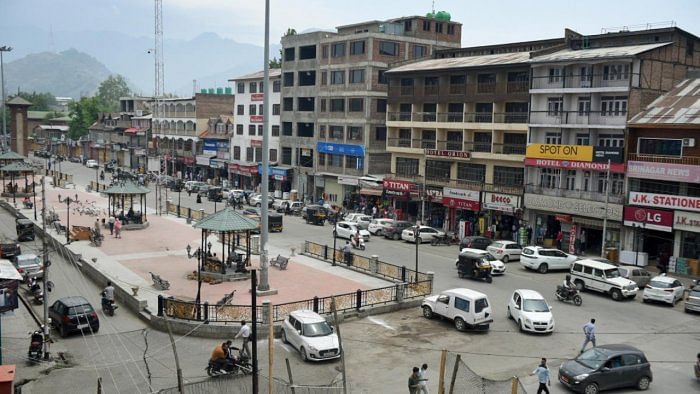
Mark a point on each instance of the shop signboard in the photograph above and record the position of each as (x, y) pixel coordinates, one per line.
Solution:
(399, 186)
(603, 154)
(348, 180)
(233, 167)
(501, 202)
(460, 194)
(665, 171)
(572, 239)
(257, 97)
(686, 221)
(203, 160)
(341, 149)
(576, 165)
(210, 147)
(559, 152)
(256, 118)
(683, 203)
(573, 206)
(256, 143)
(654, 219)
(433, 194)
(447, 153)
(272, 171)
(563, 218)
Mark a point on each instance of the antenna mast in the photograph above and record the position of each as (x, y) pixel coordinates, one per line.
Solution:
(158, 90)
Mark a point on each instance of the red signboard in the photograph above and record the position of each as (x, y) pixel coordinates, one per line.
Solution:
(256, 118)
(188, 160)
(248, 169)
(400, 186)
(447, 153)
(460, 204)
(256, 143)
(563, 218)
(575, 165)
(257, 97)
(654, 219)
(233, 167)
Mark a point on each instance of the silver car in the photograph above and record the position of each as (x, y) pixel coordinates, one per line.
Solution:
(29, 266)
(692, 303)
(640, 276)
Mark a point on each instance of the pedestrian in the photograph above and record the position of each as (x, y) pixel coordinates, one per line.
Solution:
(414, 381)
(374, 211)
(244, 332)
(589, 332)
(111, 224)
(582, 237)
(347, 253)
(529, 236)
(117, 228)
(423, 380)
(560, 237)
(189, 191)
(542, 373)
(663, 261)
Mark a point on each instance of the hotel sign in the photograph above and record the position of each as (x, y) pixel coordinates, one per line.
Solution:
(447, 153)
(576, 165)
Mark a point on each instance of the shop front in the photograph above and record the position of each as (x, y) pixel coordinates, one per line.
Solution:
(462, 210)
(403, 199)
(686, 248)
(243, 176)
(652, 233)
(280, 179)
(502, 221)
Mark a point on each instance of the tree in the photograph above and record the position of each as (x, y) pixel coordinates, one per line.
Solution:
(83, 114)
(275, 62)
(40, 101)
(290, 32)
(110, 90)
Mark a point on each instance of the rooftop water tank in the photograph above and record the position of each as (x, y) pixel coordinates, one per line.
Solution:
(219, 90)
(204, 91)
(211, 91)
(228, 90)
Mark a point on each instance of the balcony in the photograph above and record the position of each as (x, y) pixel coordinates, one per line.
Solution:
(459, 117)
(609, 119)
(689, 160)
(486, 87)
(510, 117)
(614, 198)
(458, 89)
(427, 144)
(430, 90)
(578, 81)
(518, 86)
(509, 149)
(399, 142)
(457, 146)
(406, 91)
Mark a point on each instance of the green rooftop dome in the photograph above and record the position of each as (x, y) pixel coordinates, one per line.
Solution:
(443, 16)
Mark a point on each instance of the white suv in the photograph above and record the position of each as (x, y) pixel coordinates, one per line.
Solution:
(311, 334)
(466, 308)
(603, 277)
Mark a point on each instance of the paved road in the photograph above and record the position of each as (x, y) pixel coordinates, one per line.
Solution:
(397, 341)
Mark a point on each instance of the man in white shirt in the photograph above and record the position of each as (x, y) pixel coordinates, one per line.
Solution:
(589, 331)
(423, 379)
(245, 333)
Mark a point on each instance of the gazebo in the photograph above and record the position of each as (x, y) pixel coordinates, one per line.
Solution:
(16, 170)
(122, 193)
(10, 157)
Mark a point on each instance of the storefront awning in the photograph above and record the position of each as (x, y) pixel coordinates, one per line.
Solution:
(370, 192)
(131, 130)
(594, 223)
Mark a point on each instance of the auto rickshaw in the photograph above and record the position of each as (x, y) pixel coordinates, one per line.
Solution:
(475, 266)
(274, 222)
(316, 214)
(25, 230)
(215, 194)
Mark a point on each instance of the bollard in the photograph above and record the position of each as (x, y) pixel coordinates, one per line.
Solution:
(325, 252)
(160, 305)
(206, 312)
(399, 292)
(316, 304)
(266, 312)
(358, 299)
(403, 273)
(431, 278)
(374, 263)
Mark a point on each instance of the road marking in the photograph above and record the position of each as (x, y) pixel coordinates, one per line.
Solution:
(380, 323)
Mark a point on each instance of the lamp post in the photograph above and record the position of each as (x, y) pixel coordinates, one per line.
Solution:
(4, 48)
(197, 253)
(179, 191)
(335, 238)
(34, 191)
(68, 201)
(417, 239)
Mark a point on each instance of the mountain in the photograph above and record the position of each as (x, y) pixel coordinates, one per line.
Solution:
(69, 73)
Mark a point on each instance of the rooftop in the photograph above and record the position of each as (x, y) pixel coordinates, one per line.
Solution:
(596, 53)
(465, 62)
(274, 73)
(680, 106)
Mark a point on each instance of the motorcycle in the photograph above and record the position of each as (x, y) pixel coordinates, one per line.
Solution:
(234, 365)
(358, 245)
(108, 306)
(36, 347)
(444, 239)
(36, 291)
(568, 295)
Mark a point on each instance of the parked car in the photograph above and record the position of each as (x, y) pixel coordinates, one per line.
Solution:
(29, 266)
(203, 190)
(638, 275)
(277, 205)
(92, 164)
(394, 230)
(192, 186)
(466, 308)
(10, 249)
(377, 226)
(692, 303)
(348, 230)
(425, 234)
(310, 333)
(505, 250)
(475, 242)
(497, 266)
(543, 259)
(360, 219)
(606, 367)
(605, 278)
(256, 200)
(530, 310)
(663, 288)
(75, 159)
(71, 314)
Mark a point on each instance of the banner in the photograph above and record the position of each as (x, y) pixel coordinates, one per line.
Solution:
(576, 165)
(665, 171)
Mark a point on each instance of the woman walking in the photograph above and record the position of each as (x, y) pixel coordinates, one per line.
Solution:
(117, 228)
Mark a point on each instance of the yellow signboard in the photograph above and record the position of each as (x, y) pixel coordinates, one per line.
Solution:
(560, 152)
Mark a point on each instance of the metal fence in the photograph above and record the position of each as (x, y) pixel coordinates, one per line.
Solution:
(459, 378)
(244, 385)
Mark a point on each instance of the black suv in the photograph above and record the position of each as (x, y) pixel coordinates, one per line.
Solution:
(475, 242)
(606, 367)
(71, 314)
(394, 230)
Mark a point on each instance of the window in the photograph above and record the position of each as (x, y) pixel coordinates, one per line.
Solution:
(586, 181)
(583, 139)
(323, 105)
(253, 87)
(335, 160)
(480, 305)
(239, 129)
(430, 85)
(252, 109)
(455, 141)
(426, 25)
(428, 139)
(438, 27)
(288, 79)
(276, 86)
(549, 178)
(260, 109)
(552, 138)
(616, 72)
(307, 78)
(406, 166)
(611, 140)
(336, 132)
(357, 47)
(273, 154)
(237, 152)
(613, 106)
(307, 52)
(305, 157)
(338, 49)
(407, 25)
(337, 77)
(437, 169)
(555, 75)
(689, 47)
(275, 131)
(240, 110)
(660, 147)
(321, 159)
(286, 155)
(275, 109)
(462, 304)
(584, 106)
(555, 106)
(261, 87)
(307, 104)
(249, 152)
(381, 105)
(258, 154)
(388, 48)
(356, 105)
(260, 129)
(419, 51)
(240, 87)
(380, 134)
(450, 29)
(337, 105)
(570, 179)
(508, 176)
(356, 163)
(354, 133)
(482, 142)
(356, 76)
(289, 54)
(288, 104)
(251, 129)
(305, 129)
(287, 129)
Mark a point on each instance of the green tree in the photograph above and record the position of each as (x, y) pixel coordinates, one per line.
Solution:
(83, 114)
(110, 90)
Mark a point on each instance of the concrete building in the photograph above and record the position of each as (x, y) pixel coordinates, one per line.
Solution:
(581, 96)
(334, 99)
(246, 144)
(662, 211)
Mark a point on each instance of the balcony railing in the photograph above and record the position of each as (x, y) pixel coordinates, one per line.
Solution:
(459, 117)
(406, 90)
(510, 117)
(518, 86)
(427, 144)
(399, 142)
(509, 149)
(430, 90)
(457, 89)
(690, 160)
(486, 87)
(608, 118)
(614, 198)
(578, 81)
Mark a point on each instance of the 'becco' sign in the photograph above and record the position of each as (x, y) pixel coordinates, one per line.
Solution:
(560, 152)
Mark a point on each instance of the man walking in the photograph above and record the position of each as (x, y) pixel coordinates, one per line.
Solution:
(589, 332)
(582, 237)
(542, 373)
(423, 379)
(110, 221)
(245, 333)
(414, 381)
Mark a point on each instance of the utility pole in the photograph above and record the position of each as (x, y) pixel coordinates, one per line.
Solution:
(605, 214)
(264, 280)
(45, 253)
(334, 310)
(2, 82)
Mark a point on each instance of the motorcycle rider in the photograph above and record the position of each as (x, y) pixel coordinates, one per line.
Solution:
(220, 355)
(108, 293)
(356, 239)
(569, 287)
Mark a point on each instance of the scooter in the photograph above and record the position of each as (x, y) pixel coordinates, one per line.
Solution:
(35, 289)
(233, 365)
(358, 245)
(108, 306)
(36, 347)
(568, 295)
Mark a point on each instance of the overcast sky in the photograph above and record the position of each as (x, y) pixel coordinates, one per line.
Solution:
(485, 22)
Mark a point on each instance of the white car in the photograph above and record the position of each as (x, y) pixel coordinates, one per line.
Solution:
(256, 200)
(425, 234)
(311, 334)
(466, 308)
(505, 250)
(92, 164)
(348, 229)
(530, 310)
(361, 219)
(497, 266)
(543, 259)
(663, 288)
(377, 226)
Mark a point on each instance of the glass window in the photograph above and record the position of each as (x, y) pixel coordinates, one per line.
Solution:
(253, 87)
(338, 49)
(355, 133)
(462, 304)
(275, 131)
(613, 105)
(616, 72)
(357, 47)
(419, 51)
(241, 87)
(236, 153)
(380, 133)
(275, 109)
(251, 129)
(337, 77)
(555, 75)
(660, 147)
(381, 77)
(240, 110)
(239, 129)
(273, 154)
(480, 305)
(471, 172)
(388, 48)
(381, 105)
(276, 86)
(288, 79)
(406, 166)
(690, 245)
(356, 76)
(508, 176)
(426, 25)
(252, 109)
(289, 54)
(337, 105)
(356, 105)
(555, 106)
(437, 169)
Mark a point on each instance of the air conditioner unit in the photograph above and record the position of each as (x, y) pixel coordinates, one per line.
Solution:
(139, 112)
(688, 142)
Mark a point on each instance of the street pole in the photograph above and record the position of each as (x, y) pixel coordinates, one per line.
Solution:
(254, 326)
(264, 280)
(2, 82)
(335, 238)
(45, 253)
(605, 214)
(417, 239)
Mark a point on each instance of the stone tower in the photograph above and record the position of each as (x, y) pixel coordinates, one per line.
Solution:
(19, 129)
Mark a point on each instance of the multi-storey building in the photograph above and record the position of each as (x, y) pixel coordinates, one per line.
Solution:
(334, 99)
(138, 136)
(662, 215)
(581, 97)
(246, 144)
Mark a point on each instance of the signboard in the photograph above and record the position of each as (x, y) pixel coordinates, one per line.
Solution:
(457, 203)
(272, 171)
(686, 221)
(665, 201)
(210, 147)
(233, 167)
(654, 219)
(257, 97)
(572, 239)
(601, 154)
(341, 149)
(447, 153)
(348, 180)
(665, 171)
(573, 206)
(560, 152)
(188, 160)
(256, 143)
(501, 202)
(459, 194)
(400, 186)
(256, 118)
(576, 165)
(563, 218)
(203, 160)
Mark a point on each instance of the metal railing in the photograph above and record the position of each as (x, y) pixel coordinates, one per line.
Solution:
(692, 160)
(460, 117)
(614, 197)
(485, 87)
(578, 81)
(406, 91)
(509, 149)
(607, 118)
(518, 86)
(399, 142)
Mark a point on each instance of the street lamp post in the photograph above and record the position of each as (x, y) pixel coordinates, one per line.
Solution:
(197, 253)
(68, 201)
(2, 83)
(34, 191)
(417, 239)
(179, 191)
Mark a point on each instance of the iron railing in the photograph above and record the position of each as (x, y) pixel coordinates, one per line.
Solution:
(583, 81)
(459, 117)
